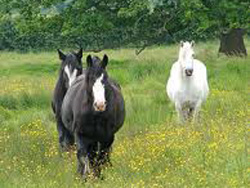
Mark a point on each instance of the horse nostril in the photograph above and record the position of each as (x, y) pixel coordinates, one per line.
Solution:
(189, 72)
(95, 105)
(99, 106)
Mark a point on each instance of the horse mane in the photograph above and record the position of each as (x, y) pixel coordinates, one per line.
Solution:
(96, 58)
(96, 61)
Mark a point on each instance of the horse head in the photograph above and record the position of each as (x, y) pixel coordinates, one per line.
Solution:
(71, 66)
(97, 81)
(186, 57)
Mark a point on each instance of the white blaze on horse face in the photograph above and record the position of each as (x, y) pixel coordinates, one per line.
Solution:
(99, 95)
(71, 75)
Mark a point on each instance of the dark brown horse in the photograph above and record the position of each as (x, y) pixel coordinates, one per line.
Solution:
(71, 67)
(93, 110)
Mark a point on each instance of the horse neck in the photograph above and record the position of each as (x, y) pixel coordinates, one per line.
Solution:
(109, 91)
(61, 83)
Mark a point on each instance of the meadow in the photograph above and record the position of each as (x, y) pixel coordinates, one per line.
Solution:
(152, 149)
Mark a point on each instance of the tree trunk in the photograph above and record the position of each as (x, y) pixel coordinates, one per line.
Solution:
(232, 43)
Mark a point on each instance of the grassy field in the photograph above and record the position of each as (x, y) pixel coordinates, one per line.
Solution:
(152, 149)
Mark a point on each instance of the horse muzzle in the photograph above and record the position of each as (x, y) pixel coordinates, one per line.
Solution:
(189, 72)
(99, 106)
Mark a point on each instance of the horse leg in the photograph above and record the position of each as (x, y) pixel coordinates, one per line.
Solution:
(103, 156)
(83, 149)
(190, 113)
(180, 114)
(60, 130)
(105, 150)
(196, 110)
(66, 139)
(93, 156)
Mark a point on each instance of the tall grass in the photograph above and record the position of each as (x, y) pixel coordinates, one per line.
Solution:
(152, 149)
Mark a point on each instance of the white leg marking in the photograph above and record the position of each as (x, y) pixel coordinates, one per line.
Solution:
(86, 166)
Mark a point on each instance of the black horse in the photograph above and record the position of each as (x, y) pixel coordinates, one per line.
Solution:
(93, 110)
(71, 67)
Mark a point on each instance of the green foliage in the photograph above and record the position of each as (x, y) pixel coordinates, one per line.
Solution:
(95, 24)
(24, 101)
(8, 34)
(151, 149)
(226, 14)
(31, 69)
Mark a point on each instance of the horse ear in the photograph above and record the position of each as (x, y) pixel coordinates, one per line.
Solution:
(89, 61)
(181, 43)
(192, 43)
(62, 56)
(79, 54)
(104, 61)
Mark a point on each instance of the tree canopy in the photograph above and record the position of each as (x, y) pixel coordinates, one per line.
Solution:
(98, 24)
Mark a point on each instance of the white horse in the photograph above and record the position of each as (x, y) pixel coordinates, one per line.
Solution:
(187, 86)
